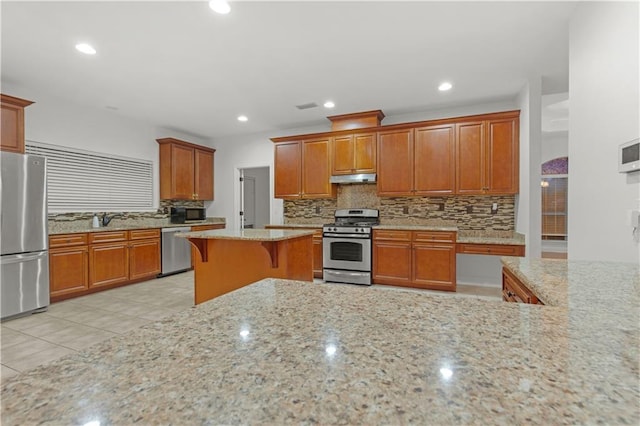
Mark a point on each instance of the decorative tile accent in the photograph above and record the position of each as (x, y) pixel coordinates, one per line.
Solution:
(465, 212)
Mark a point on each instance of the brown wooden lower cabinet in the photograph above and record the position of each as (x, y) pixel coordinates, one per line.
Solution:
(415, 259)
(85, 262)
(513, 290)
(108, 264)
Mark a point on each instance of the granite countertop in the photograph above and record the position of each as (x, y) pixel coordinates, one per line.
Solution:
(78, 226)
(282, 351)
(418, 227)
(298, 225)
(247, 234)
(562, 283)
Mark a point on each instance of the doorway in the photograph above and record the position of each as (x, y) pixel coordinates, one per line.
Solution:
(255, 209)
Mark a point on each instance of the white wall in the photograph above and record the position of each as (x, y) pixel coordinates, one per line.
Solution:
(528, 201)
(60, 122)
(605, 112)
(554, 145)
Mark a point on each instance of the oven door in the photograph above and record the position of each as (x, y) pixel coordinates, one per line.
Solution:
(347, 253)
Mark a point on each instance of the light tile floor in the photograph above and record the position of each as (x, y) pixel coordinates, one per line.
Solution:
(76, 324)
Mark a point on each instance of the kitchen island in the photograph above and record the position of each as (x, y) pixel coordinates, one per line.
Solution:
(229, 259)
(281, 351)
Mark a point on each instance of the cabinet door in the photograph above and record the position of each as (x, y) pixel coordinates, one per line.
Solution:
(288, 163)
(68, 270)
(108, 264)
(434, 160)
(343, 155)
(203, 178)
(395, 163)
(365, 152)
(502, 156)
(434, 266)
(470, 162)
(12, 125)
(144, 258)
(182, 167)
(391, 263)
(317, 255)
(316, 169)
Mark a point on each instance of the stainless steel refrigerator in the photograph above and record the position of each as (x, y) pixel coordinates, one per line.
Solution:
(24, 260)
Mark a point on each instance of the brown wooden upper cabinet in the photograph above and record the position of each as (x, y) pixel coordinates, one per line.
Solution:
(12, 113)
(354, 153)
(487, 156)
(302, 169)
(186, 170)
(395, 165)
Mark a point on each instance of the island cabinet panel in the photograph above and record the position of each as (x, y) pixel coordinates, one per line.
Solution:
(434, 160)
(470, 151)
(12, 126)
(186, 170)
(395, 163)
(423, 259)
(198, 228)
(288, 170)
(354, 154)
(316, 169)
(108, 264)
(513, 290)
(68, 264)
(317, 246)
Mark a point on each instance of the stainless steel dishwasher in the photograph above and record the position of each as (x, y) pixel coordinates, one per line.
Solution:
(176, 252)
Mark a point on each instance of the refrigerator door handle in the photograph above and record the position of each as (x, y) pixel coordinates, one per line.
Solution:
(23, 257)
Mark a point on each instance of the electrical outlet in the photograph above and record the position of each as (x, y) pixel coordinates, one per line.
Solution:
(469, 209)
(494, 208)
(405, 209)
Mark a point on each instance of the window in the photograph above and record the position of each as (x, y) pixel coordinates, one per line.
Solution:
(554, 207)
(84, 181)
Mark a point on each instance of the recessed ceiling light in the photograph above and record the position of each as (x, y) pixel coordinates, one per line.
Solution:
(242, 118)
(329, 104)
(220, 6)
(85, 48)
(445, 86)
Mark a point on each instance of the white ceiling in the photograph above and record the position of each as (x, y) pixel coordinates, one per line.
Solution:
(179, 65)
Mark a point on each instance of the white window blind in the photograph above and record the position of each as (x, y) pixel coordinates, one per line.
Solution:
(85, 181)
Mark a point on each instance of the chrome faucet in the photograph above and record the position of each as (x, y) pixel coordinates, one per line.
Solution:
(107, 219)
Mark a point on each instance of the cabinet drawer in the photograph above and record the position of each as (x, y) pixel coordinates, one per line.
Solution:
(491, 249)
(389, 235)
(107, 237)
(434, 236)
(141, 234)
(198, 228)
(67, 240)
(513, 290)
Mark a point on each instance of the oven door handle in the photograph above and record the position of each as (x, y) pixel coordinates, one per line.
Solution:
(359, 236)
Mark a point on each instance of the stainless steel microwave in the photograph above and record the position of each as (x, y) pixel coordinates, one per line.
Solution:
(187, 214)
(629, 156)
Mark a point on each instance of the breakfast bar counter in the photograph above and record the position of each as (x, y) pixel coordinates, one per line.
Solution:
(229, 259)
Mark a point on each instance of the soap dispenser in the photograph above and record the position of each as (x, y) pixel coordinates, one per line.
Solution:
(96, 222)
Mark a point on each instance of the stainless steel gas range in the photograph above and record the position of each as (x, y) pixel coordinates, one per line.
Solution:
(346, 246)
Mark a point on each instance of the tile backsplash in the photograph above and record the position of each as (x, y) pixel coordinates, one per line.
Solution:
(162, 212)
(466, 212)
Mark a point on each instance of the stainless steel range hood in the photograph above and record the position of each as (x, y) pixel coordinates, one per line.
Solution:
(361, 178)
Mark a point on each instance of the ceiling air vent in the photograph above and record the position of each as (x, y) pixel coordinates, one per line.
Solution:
(307, 106)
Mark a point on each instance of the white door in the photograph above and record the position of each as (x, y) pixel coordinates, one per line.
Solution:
(249, 201)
